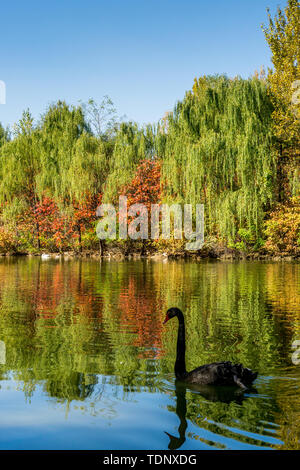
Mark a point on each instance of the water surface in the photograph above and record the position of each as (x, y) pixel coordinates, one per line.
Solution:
(85, 362)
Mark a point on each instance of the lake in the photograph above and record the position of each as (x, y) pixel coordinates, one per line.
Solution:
(85, 362)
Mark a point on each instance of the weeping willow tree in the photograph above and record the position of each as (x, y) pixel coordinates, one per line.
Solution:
(132, 145)
(218, 151)
(59, 158)
(18, 168)
(60, 154)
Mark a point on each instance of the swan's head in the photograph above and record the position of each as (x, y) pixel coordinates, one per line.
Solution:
(171, 313)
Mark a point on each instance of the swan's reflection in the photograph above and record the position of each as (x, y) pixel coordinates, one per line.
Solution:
(209, 392)
(176, 442)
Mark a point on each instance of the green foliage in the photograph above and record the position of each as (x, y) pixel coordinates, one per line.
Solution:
(132, 145)
(217, 147)
(63, 142)
(282, 35)
(247, 241)
(218, 152)
(19, 166)
(4, 135)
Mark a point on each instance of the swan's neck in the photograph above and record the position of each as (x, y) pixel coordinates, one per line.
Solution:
(180, 370)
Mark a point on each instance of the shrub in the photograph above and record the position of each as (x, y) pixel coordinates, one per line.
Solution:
(283, 229)
(7, 240)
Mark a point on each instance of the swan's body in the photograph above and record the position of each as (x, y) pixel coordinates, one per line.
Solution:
(217, 373)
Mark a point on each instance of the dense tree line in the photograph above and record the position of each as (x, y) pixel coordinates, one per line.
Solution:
(231, 144)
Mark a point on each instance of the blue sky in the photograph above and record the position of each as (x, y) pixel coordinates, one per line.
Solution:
(143, 54)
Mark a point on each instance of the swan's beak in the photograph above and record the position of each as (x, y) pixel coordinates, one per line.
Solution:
(166, 319)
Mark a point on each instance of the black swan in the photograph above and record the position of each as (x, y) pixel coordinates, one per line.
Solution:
(176, 442)
(217, 373)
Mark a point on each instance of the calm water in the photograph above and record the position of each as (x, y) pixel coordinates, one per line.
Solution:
(87, 364)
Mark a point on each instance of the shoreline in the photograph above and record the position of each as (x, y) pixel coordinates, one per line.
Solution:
(118, 255)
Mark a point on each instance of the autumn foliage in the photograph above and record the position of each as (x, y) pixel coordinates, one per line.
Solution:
(231, 144)
(45, 225)
(283, 229)
(145, 187)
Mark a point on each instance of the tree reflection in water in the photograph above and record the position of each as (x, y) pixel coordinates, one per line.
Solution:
(91, 333)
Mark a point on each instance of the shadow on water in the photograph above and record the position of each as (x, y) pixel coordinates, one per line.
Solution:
(209, 392)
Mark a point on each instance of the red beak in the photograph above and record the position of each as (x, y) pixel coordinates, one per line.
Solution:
(166, 319)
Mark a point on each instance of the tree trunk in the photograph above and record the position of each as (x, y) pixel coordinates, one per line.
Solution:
(80, 242)
(38, 236)
(101, 247)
